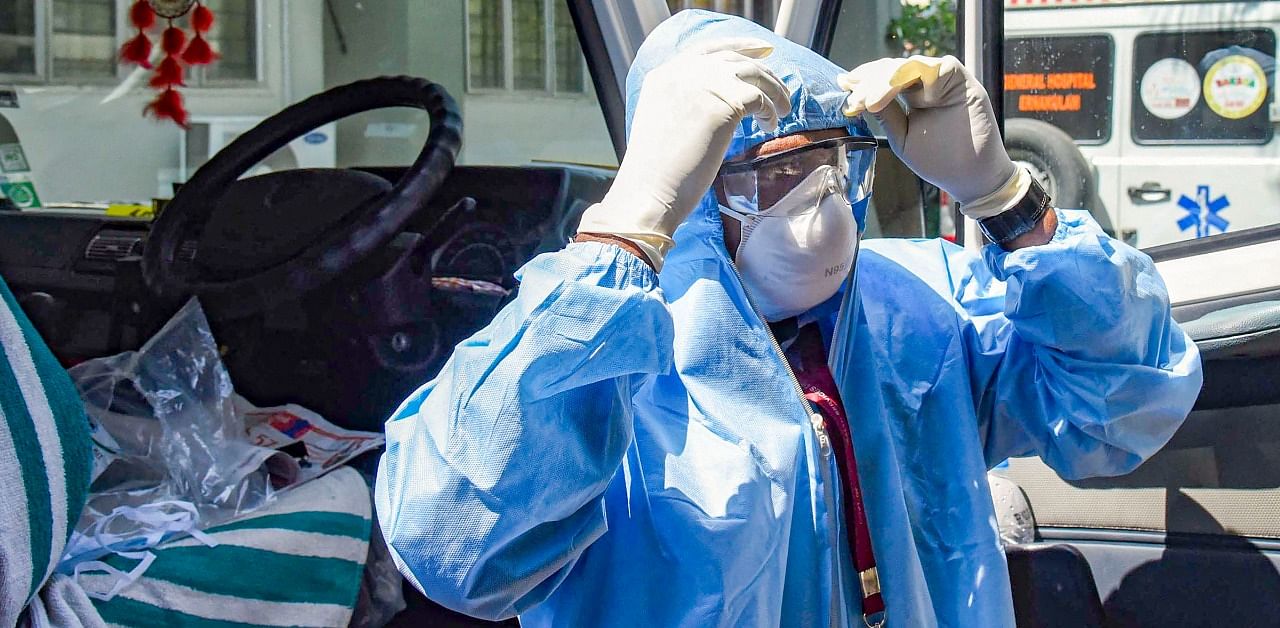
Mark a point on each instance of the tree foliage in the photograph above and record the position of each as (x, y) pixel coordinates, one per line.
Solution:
(926, 27)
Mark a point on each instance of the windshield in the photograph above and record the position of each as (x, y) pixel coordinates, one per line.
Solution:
(72, 128)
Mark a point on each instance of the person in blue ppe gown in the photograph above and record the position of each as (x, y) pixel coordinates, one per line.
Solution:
(712, 409)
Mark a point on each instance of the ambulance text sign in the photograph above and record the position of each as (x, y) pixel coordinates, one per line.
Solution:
(1065, 81)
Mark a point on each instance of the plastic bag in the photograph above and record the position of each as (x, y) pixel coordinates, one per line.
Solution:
(166, 431)
(176, 451)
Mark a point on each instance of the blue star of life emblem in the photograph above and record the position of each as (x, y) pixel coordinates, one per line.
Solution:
(1202, 212)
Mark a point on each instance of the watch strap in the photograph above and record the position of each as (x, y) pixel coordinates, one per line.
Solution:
(1019, 219)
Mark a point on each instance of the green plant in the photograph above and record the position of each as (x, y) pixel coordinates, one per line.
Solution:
(926, 27)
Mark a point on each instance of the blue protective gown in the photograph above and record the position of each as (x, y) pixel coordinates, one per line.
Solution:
(620, 448)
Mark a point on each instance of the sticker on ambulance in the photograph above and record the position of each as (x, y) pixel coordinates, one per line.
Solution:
(20, 191)
(12, 159)
(1235, 87)
(1170, 88)
(8, 97)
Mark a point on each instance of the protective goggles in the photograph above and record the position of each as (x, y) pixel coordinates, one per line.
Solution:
(757, 184)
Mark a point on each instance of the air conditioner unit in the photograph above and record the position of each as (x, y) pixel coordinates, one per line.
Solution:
(209, 134)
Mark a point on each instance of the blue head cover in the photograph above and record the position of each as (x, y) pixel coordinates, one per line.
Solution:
(810, 77)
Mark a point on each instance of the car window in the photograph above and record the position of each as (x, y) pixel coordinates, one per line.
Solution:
(1065, 81)
(1157, 117)
(1188, 173)
(761, 11)
(865, 32)
(1206, 86)
(72, 128)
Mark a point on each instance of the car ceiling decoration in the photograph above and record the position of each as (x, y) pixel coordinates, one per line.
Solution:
(178, 52)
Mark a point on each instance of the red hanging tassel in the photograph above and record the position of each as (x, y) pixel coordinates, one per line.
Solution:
(137, 51)
(201, 18)
(141, 15)
(173, 40)
(199, 52)
(168, 74)
(168, 106)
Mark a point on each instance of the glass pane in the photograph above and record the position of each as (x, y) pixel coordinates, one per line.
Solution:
(569, 61)
(234, 37)
(1064, 81)
(1231, 69)
(680, 5)
(1158, 118)
(73, 140)
(84, 40)
(764, 11)
(902, 205)
(529, 44)
(17, 37)
(484, 24)
(760, 11)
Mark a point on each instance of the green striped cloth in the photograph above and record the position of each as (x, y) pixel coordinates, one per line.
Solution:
(296, 562)
(45, 460)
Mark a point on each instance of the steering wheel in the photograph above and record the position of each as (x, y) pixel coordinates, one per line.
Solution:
(273, 238)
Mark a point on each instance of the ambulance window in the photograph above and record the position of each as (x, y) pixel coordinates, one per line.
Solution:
(1203, 87)
(1065, 81)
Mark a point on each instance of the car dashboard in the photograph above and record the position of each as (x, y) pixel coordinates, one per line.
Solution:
(67, 264)
(78, 276)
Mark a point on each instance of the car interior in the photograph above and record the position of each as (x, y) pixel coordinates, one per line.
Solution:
(343, 288)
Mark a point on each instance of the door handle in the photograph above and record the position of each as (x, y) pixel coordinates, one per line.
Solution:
(1149, 193)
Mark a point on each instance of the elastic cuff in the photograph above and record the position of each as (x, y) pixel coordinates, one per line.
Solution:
(608, 238)
(626, 269)
(654, 253)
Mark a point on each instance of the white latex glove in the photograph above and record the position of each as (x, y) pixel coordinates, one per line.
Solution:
(683, 123)
(948, 135)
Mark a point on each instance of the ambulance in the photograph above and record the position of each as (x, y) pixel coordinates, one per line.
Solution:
(1158, 116)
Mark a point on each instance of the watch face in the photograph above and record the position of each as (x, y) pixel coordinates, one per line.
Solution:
(171, 8)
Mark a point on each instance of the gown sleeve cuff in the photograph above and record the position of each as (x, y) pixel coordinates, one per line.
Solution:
(594, 263)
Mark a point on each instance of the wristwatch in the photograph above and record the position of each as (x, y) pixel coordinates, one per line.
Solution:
(1019, 219)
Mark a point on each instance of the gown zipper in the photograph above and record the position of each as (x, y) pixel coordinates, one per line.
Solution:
(819, 426)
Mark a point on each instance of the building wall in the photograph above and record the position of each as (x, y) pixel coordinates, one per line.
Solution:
(510, 129)
(89, 144)
(427, 38)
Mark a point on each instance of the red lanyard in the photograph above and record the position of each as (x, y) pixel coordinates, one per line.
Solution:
(807, 356)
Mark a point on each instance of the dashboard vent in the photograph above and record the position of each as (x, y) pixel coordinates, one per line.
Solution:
(109, 246)
(112, 246)
(187, 251)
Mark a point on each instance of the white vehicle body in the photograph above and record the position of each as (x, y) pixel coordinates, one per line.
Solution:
(1159, 179)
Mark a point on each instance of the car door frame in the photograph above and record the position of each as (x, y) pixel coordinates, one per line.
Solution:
(611, 32)
(1208, 277)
